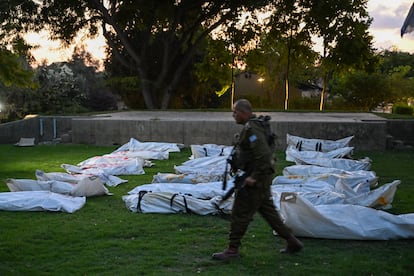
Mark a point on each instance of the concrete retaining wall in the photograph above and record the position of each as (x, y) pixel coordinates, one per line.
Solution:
(402, 130)
(117, 132)
(41, 128)
(368, 135)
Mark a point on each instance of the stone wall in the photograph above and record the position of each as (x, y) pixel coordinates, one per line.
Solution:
(42, 128)
(368, 135)
(400, 132)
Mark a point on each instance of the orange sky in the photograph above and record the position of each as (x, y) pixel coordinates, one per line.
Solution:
(52, 51)
(388, 17)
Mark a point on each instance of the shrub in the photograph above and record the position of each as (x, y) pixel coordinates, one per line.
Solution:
(403, 109)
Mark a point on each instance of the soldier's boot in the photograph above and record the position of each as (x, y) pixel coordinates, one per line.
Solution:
(293, 245)
(227, 254)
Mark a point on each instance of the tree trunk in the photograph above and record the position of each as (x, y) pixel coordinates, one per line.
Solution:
(287, 75)
(286, 94)
(147, 95)
(232, 85)
(166, 99)
(168, 87)
(325, 79)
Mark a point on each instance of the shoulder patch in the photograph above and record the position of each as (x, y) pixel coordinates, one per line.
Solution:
(252, 138)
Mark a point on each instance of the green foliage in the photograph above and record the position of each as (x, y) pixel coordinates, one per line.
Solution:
(166, 50)
(338, 103)
(304, 104)
(343, 28)
(391, 59)
(215, 68)
(63, 88)
(402, 85)
(19, 102)
(363, 90)
(395, 116)
(12, 71)
(403, 109)
(285, 49)
(156, 41)
(128, 88)
(14, 52)
(104, 238)
(101, 99)
(72, 87)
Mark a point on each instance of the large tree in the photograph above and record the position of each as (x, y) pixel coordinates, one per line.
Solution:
(14, 52)
(288, 41)
(342, 25)
(154, 39)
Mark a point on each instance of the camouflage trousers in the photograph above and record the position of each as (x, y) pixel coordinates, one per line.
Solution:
(247, 202)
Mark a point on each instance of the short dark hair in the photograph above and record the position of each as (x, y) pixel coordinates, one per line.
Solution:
(243, 105)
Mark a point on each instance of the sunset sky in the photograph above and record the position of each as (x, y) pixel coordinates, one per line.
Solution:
(388, 17)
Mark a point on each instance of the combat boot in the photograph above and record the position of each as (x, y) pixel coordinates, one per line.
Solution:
(228, 254)
(293, 245)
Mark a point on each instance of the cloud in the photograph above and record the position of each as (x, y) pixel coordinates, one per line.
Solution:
(388, 18)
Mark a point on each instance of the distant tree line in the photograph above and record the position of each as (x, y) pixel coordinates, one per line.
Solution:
(184, 54)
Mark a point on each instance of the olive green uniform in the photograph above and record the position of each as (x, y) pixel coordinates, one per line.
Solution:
(254, 156)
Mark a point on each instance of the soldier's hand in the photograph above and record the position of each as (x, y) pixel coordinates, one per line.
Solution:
(249, 181)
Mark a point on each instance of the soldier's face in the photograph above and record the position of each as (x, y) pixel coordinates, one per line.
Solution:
(240, 116)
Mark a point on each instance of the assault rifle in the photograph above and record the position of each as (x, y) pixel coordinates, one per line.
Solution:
(238, 185)
(239, 176)
(229, 161)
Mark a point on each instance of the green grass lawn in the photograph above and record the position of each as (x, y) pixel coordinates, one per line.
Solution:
(104, 238)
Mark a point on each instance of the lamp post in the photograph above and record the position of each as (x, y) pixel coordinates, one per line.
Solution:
(261, 80)
(232, 85)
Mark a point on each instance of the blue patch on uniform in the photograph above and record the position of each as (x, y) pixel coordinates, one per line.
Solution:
(252, 138)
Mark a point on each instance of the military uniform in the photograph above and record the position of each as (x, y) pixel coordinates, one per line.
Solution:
(254, 156)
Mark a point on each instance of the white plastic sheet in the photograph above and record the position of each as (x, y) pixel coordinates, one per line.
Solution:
(201, 199)
(214, 165)
(294, 155)
(339, 192)
(322, 193)
(136, 146)
(379, 198)
(170, 203)
(332, 159)
(201, 190)
(310, 170)
(107, 179)
(307, 144)
(85, 179)
(210, 150)
(192, 178)
(18, 185)
(88, 186)
(343, 221)
(362, 182)
(143, 154)
(129, 159)
(40, 201)
(110, 166)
